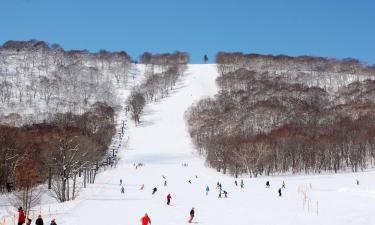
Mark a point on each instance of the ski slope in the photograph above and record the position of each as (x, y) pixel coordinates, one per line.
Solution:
(162, 144)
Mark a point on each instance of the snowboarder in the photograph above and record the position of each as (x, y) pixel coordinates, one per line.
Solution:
(21, 216)
(120, 182)
(165, 183)
(154, 190)
(53, 222)
(142, 186)
(242, 184)
(122, 190)
(205, 58)
(39, 221)
(267, 184)
(283, 185)
(279, 192)
(235, 183)
(191, 215)
(169, 197)
(145, 220)
(225, 194)
(207, 190)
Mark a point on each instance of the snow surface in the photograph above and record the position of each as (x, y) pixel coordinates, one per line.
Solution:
(162, 144)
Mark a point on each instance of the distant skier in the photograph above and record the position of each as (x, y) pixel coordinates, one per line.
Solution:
(279, 192)
(283, 185)
(235, 183)
(142, 186)
(205, 58)
(189, 181)
(145, 220)
(207, 190)
(192, 212)
(122, 190)
(39, 221)
(225, 194)
(169, 197)
(154, 190)
(219, 193)
(21, 216)
(165, 183)
(120, 182)
(242, 184)
(163, 177)
(357, 182)
(267, 184)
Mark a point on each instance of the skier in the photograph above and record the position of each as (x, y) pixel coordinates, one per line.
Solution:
(39, 221)
(169, 197)
(267, 184)
(145, 220)
(207, 190)
(235, 183)
(279, 192)
(225, 194)
(283, 185)
(53, 222)
(220, 193)
(142, 186)
(163, 177)
(242, 184)
(165, 183)
(189, 181)
(154, 190)
(120, 182)
(122, 190)
(217, 185)
(21, 216)
(205, 58)
(191, 215)
(357, 182)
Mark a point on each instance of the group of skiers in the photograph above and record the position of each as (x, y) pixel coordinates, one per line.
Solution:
(22, 219)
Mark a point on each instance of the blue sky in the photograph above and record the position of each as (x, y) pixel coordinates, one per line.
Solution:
(331, 28)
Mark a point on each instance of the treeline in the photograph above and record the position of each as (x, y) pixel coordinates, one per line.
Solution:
(264, 123)
(230, 62)
(68, 147)
(162, 72)
(38, 80)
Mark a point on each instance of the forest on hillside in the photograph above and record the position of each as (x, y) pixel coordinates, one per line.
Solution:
(281, 114)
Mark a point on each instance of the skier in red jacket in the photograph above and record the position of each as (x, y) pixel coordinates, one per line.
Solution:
(169, 197)
(145, 220)
(21, 216)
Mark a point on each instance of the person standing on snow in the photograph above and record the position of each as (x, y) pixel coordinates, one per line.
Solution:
(53, 222)
(169, 197)
(192, 212)
(205, 58)
(235, 183)
(145, 220)
(267, 184)
(279, 192)
(21, 216)
(39, 221)
(120, 182)
(165, 183)
(122, 190)
(207, 190)
(242, 184)
(154, 190)
(225, 194)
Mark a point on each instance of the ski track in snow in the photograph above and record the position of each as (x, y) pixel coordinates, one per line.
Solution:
(162, 143)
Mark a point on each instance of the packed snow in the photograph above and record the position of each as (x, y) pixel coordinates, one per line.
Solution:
(162, 144)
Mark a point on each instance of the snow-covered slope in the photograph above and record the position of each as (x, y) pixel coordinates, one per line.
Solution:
(162, 144)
